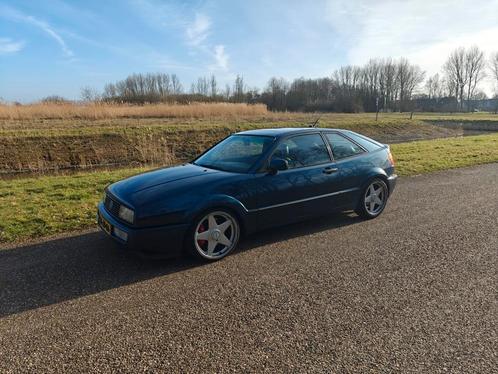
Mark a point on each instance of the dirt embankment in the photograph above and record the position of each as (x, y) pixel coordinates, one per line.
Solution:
(165, 146)
(468, 125)
(30, 154)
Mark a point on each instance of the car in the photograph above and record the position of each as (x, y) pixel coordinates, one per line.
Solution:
(249, 181)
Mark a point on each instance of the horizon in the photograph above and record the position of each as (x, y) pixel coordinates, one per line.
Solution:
(57, 48)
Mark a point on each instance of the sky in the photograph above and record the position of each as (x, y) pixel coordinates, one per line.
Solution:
(56, 47)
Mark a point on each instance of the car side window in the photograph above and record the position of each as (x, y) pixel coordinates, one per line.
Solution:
(302, 150)
(342, 147)
(368, 144)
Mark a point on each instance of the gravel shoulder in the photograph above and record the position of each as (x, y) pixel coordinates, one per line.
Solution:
(412, 291)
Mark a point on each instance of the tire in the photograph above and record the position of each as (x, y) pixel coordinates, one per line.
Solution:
(373, 199)
(213, 235)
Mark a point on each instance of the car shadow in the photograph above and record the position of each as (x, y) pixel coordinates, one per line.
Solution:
(62, 269)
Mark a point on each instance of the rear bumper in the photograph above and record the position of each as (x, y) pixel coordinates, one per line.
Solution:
(162, 241)
(391, 182)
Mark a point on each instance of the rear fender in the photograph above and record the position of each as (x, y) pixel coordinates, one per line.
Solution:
(374, 173)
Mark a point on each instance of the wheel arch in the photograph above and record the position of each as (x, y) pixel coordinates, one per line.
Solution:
(222, 202)
(376, 173)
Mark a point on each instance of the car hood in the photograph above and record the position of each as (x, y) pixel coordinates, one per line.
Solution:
(127, 187)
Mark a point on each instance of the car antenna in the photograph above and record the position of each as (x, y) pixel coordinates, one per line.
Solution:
(315, 124)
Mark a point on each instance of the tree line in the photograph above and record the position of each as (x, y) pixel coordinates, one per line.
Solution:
(379, 85)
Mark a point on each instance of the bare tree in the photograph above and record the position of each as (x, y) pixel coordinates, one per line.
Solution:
(227, 92)
(434, 87)
(387, 83)
(54, 99)
(479, 95)
(380, 81)
(408, 78)
(475, 65)
(344, 78)
(163, 85)
(276, 92)
(89, 94)
(141, 88)
(213, 84)
(203, 86)
(176, 86)
(372, 73)
(456, 73)
(493, 64)
(238, 89)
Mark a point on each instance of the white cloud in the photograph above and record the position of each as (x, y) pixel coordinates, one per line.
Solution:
(15, 15)
(195, 27)
(423, 31)
(8, 45)
(198, 30)
(197, 33)
(221, 58)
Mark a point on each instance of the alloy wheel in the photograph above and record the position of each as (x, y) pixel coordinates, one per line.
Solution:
(216, 234)
(375, 198)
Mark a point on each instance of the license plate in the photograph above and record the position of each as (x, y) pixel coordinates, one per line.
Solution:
(106, 226)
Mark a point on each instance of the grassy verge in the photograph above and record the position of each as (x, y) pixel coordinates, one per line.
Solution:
(432, 155)
(35, 207)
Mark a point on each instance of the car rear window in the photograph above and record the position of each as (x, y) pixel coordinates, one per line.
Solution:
(364, 142)
(342, 147)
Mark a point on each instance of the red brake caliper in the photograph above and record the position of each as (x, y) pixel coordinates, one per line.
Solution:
(201, 242)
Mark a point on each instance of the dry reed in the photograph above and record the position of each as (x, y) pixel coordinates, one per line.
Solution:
(105, 111)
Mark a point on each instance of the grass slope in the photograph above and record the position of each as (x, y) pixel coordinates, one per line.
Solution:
(35, 207)
(44, 145)
(72, 137)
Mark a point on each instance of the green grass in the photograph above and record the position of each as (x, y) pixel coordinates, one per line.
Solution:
(35, 207)
(432, 155)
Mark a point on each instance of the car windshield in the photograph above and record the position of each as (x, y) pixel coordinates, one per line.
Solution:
(237, 153)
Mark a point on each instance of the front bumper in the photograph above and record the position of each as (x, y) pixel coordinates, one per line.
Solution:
(391, 182)
(162, 241)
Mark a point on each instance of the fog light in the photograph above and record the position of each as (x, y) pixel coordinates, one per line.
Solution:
(120, 234)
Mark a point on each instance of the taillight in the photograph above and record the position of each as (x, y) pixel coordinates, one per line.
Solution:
(390, 157)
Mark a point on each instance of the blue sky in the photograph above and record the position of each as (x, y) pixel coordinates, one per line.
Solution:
(56, 47)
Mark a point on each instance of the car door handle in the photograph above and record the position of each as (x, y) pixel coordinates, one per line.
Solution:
(330, 170)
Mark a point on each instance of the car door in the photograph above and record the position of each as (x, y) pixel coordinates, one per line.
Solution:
(304, 190)
(350, 164)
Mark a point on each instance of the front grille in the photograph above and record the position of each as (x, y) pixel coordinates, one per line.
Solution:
(112, 205)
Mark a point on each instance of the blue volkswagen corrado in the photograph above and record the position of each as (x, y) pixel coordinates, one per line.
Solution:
(249, 181)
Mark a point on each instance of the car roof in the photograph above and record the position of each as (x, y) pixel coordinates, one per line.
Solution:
(284, 131)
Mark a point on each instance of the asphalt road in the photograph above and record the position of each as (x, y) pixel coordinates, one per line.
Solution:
(415, 290)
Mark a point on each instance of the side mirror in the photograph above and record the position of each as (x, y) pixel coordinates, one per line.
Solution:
(277, 164)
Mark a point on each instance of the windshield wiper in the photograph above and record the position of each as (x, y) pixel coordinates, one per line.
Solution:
(208, 166)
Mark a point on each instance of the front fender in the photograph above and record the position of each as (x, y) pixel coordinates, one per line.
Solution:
(220, 201)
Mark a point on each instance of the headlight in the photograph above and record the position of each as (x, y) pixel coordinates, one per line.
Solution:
(126, 214)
